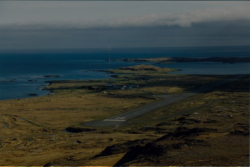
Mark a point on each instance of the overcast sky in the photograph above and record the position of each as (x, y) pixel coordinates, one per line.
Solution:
(64, 24)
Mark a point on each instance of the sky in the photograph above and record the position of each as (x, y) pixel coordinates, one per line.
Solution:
(123, 24)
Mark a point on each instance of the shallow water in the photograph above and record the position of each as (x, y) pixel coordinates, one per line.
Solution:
(210, 68)
(26, 70)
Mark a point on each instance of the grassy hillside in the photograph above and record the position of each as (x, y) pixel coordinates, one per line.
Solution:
(207, 129)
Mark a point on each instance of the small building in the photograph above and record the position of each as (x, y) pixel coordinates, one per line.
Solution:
(124, 87)
(110, 85)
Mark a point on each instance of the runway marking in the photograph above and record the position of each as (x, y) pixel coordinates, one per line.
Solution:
(117, 119)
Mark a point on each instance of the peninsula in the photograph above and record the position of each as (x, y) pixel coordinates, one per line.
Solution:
(179, 122)
(189, 59)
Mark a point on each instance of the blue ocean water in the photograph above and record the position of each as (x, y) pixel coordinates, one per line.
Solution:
(23, 72)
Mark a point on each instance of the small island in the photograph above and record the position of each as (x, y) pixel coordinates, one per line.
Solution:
(146, 69)
(51, 76)
(11, 80)
(32, 94)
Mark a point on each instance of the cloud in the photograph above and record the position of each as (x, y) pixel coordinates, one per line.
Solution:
(182, 19)
(203, 34)
(193, 28)
(186, 19)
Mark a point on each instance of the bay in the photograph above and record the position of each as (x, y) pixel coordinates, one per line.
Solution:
(22, 72)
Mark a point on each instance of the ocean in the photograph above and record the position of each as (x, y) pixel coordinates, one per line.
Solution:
(22, 72)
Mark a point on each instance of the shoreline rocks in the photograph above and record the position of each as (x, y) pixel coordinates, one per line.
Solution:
(51, 76)
(230, 60)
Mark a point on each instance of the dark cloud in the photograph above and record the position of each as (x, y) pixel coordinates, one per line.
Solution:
(199, 34)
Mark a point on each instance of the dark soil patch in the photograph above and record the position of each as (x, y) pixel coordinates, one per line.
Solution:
(155, 152)
(131, 96)
(78, 130)
(164, 123)
(123, 147)
(182, 132)
(240, 132)
(211, 121)
(240, 129)
(184, 120)
(150, 152)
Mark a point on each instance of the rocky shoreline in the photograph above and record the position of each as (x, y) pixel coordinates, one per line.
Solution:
(230, 60)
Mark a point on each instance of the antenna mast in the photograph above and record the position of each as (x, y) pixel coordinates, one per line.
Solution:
(109, 57)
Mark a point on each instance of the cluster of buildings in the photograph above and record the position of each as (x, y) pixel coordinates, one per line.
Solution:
(121, 87)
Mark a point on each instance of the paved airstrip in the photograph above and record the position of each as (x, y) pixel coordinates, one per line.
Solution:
(124, 118)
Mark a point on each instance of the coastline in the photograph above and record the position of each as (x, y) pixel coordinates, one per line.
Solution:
(19, 87)
(230, 60)
(33, 127)
(66, 123)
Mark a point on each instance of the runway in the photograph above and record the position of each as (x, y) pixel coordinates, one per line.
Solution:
(123, 119)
